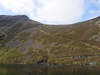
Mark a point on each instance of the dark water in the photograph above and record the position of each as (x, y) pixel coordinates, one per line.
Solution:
(48, 70)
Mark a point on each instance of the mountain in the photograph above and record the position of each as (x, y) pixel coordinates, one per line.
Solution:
(24, 41)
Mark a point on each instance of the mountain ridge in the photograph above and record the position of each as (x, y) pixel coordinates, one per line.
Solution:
(24, 41)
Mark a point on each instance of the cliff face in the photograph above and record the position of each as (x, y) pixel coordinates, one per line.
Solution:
(26, 41)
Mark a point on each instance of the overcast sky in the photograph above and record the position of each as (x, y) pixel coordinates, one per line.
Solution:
(52, 11)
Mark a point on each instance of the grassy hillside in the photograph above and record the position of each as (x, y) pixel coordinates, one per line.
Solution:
(24, 41)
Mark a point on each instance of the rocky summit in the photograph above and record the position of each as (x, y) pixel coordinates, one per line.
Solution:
(24, 41)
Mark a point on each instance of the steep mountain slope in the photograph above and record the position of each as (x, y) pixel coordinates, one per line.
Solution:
(24, 41)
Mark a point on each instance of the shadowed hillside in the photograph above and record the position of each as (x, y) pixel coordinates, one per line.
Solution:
(24, 41)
